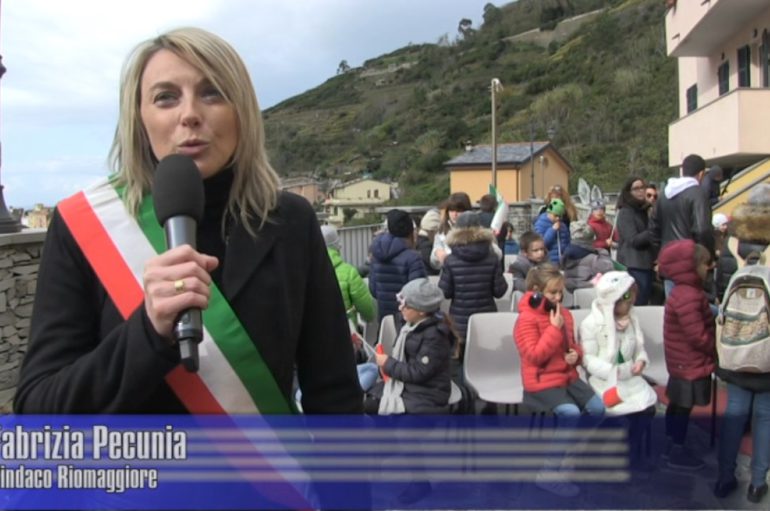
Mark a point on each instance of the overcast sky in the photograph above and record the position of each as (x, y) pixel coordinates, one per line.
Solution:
(58, 99)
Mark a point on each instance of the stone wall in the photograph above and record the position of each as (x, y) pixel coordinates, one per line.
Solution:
(19, 263)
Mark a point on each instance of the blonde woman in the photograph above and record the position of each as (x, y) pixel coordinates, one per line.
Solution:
(260, 267)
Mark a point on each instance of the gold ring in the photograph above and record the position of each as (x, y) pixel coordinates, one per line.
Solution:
(179, 286)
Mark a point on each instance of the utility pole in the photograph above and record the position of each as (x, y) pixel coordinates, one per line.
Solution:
(8, 224)
(532, 156)
(495, 87)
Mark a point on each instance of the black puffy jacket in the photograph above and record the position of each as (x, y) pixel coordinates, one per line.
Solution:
(425, 369)
(472, 275)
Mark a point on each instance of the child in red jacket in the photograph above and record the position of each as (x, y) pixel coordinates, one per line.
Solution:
(545, 339)
(688, 339)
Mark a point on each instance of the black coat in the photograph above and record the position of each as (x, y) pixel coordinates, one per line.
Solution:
(425, 370)
(425, 246)
(471, 276)
(686, 215)
(84, 358)
(635, 243)
(393, 265)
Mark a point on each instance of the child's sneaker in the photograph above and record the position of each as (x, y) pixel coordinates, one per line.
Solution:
(681, 459)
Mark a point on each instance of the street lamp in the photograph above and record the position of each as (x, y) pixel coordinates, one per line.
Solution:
(494, 88)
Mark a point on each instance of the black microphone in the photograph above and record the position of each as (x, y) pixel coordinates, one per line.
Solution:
(178, 197)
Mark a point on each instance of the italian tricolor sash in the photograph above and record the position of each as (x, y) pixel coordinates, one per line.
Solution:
(233, 378)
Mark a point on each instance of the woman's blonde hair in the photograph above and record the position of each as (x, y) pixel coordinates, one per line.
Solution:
(255, 185)
(539, 276)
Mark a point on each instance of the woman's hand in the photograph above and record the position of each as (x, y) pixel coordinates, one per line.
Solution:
(638, 367)
(571, 357)
(175, 281)
(381, 358)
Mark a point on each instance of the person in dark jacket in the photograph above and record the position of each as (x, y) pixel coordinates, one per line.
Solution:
(419, 366)
(688, 338)
(532, 253)
(581, 261)
(635, 248)
(683, 211)
(711, 183)
(104, 346)
(472, 276)
(487, 207)
(747, 392)
(429, 225)
(394, 262)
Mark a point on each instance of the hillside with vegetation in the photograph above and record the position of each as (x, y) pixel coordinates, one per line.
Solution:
(607, 93)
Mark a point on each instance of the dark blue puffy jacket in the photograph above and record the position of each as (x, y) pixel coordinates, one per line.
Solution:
(556, 245)
(393, 265)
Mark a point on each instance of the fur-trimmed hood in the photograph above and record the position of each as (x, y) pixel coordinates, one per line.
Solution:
(751, 222)
(466, 236)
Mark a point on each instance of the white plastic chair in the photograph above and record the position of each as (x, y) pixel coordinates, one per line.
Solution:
(583, 297)
(504, 302)
(388, 333)
(492, 366)
(651, 321)
(578, 315)
(515, 298)
(387, 338)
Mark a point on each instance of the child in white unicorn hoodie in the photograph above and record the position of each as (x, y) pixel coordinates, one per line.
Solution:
(614, 355)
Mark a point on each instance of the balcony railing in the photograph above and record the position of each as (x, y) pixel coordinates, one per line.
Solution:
(731, 128)
(699, 28)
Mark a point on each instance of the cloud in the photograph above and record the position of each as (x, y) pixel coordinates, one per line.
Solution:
(59, 96)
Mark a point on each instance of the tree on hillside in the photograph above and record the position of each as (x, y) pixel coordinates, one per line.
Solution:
(492, 16)
(465, 28)
(343, 67)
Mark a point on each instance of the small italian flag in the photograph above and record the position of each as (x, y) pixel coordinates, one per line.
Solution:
(501, 213)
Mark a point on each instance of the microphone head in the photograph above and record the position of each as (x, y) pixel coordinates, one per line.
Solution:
(177, 189)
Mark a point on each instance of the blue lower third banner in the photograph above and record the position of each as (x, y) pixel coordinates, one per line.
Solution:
(303, 462)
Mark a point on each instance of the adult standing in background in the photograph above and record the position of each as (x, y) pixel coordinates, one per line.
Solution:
(711, 183)
(456, 204)
(683, 211)
(260, 267)
(429, 225)
(635, 247)
(748, 394)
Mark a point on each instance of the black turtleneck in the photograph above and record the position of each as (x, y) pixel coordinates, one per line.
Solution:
(211, 239)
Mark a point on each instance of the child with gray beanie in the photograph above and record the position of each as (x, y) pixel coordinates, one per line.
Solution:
(418, 366)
